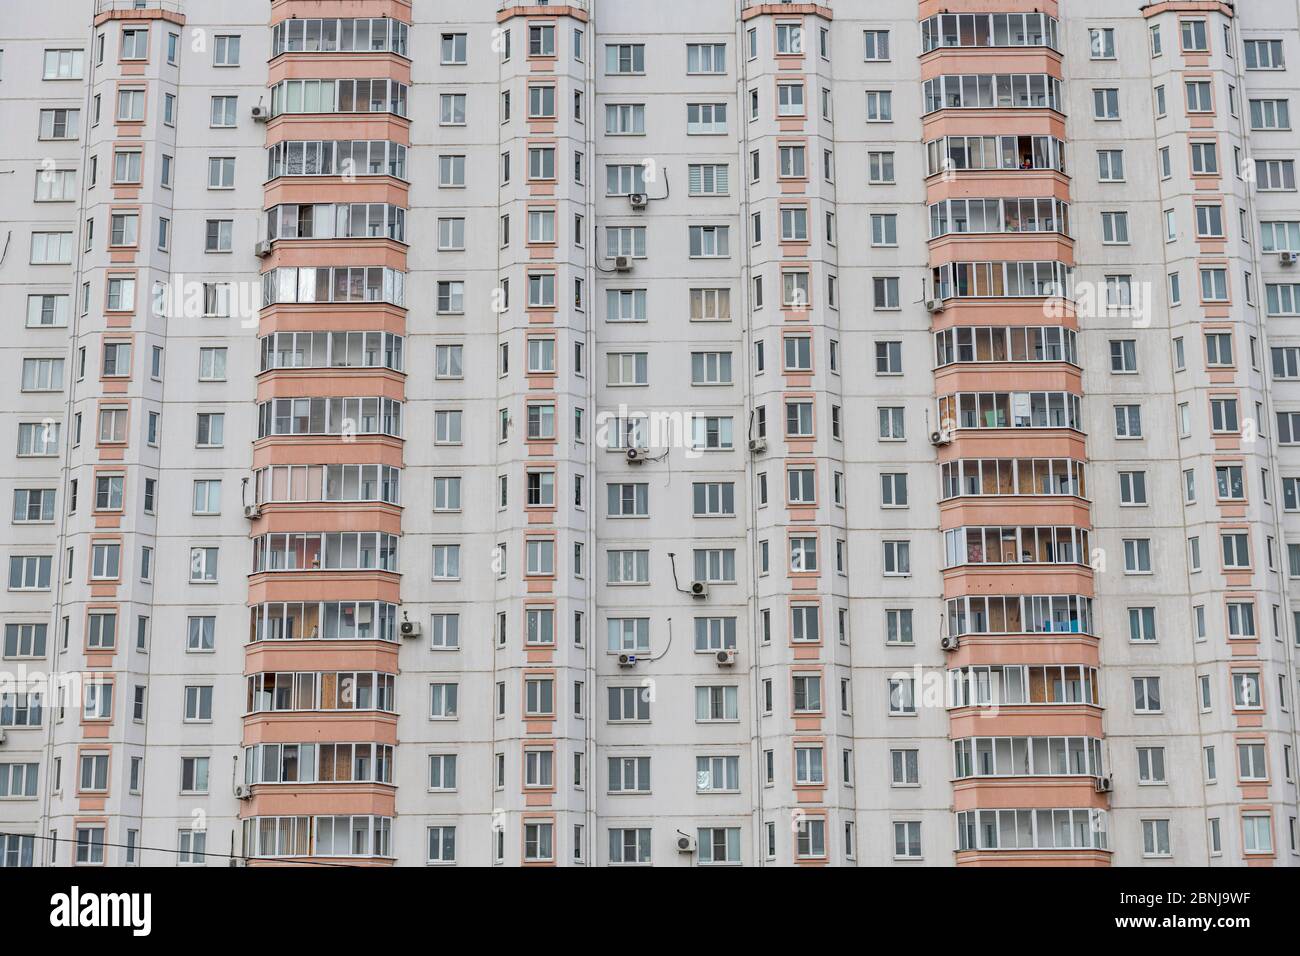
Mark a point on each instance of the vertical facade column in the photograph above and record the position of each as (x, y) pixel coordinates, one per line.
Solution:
(1018, 582)
(796, 434)
(325, 509)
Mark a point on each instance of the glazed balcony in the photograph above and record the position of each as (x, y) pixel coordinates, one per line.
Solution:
(1033, 836)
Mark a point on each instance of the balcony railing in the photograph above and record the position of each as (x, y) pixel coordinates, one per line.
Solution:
(110, 6)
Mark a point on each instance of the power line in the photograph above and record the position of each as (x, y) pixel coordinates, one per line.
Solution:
(159, 849)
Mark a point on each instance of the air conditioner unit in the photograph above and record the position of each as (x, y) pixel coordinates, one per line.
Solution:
(2, 735)
(685, 843)
(627, 660)
(261, 113)
(949, 643)
(699, 589)
(622, 263)
(262, 249)
(1286, 258)
(1105, 785)
(934, 305)
(726, 658)
(409, 628)
(940, 437)
(757, 446)
(638, 200)
(237, 861)
(637, 454)
(243, 791)
(252, 511)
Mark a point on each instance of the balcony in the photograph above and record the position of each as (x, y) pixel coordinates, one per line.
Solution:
(120, 6)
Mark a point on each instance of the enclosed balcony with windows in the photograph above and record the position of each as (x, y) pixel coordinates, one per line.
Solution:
(340, 35)
(285, 691)
(1011, 410)
(328, 483)
(1020, 614)
(332, 350)
(330, 416)
(321, 284)
(1034, 829)
(323, 620)
(960, 217)
(1043, 278)
(308, 97)
(1046, 477)
(330, 551)
(273, 763)
(988, 30)
(346, 157)
(993, 91)
(1023, 685)
(357, 220)
(1027, 757)
(1027, 153)
(322, 836)
(963, 345)
(1019, 545)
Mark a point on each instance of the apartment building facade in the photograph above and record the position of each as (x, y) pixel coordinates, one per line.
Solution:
(725, 433)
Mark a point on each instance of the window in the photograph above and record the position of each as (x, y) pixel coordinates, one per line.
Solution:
(1102, 43)
(1114, 228)
(877, 44)
(1270, 114)
(789, 39)
(33, 505)
(105, 562)
(203, 565)
(902, 696)
(1246, 690)
(1260, 55)
(625, 119)
(1155, 838)
(198, 703)
(880, 106)
(624, 58)
(442, 701)
(717, 703)
(1257, 833)
(907, 840)
(1199, 96)
(1128, 421)
(1142, 624)
(706, 118)
(219, 235)
(1275, 175)
(1110, 165)
(1193, 34)
(209, 429)
(884, 229)
(789, 99)
(24, 640)
(51, 248)
(708, 241)
(1146, 695)
(36, 439)
(880, 168)
(1105, 104)
(63, 64)
(451, 171)
(718, 845)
